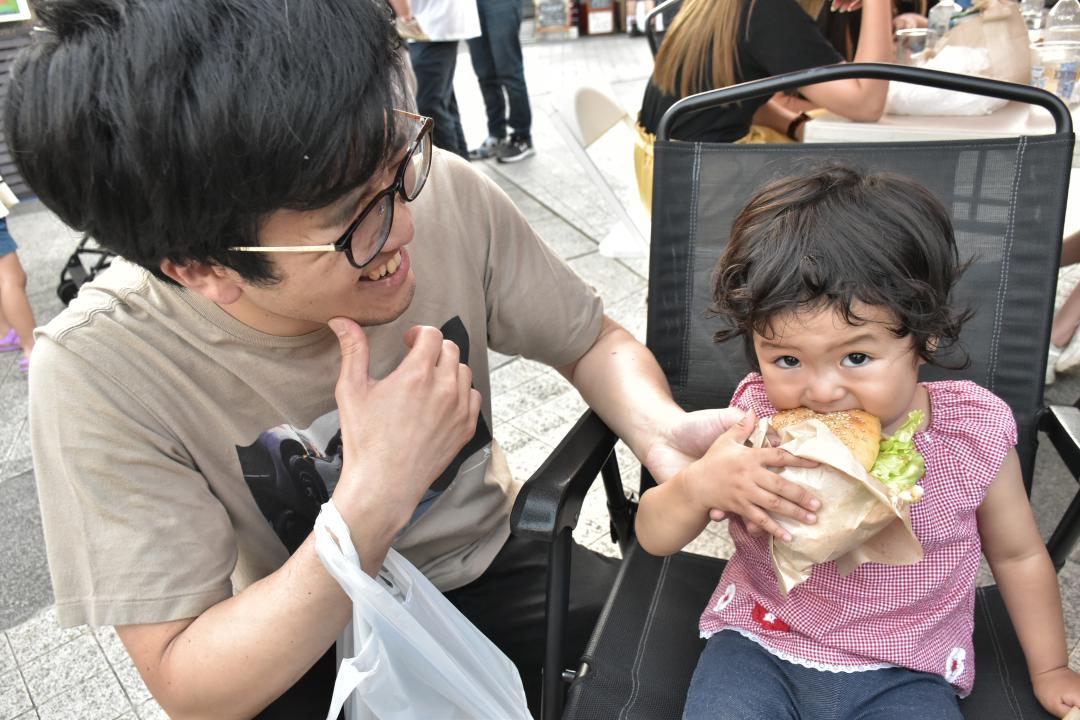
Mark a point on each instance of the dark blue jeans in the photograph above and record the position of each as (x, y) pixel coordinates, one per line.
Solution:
(496, 59)
(434, 63)
(737, 679)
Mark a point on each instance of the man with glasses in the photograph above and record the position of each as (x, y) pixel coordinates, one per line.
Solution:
(191, 410)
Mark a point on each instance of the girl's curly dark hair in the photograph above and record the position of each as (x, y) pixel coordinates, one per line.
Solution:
(835, 236)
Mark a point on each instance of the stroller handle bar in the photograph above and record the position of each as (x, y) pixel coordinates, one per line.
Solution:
(873, 71)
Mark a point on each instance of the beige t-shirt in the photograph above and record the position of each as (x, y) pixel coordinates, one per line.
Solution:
(179, 454)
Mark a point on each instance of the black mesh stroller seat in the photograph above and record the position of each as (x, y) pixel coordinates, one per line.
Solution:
(1007, 199)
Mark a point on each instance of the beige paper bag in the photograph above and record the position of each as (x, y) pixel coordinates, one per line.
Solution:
(999, 27)
(859, 520)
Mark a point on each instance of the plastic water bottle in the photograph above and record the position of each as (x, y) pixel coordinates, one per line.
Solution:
(1033, 11)
(1063, 22)
(939, 19)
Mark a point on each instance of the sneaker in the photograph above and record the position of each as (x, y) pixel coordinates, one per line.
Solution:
(1051, 363)
(10, 341)
(488, 149)
(1069, 356)
(517, 148)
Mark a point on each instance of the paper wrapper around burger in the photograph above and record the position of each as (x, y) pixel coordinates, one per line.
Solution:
(859, 521)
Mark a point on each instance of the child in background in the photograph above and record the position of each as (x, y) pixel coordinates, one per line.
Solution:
(16, 316)
(842, 283)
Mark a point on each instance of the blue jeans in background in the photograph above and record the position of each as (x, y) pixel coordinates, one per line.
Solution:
(434, 63)
(496, 59)
(737, 679)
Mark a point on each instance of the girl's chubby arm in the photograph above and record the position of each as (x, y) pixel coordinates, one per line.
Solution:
(730, 477)
(1029, 586)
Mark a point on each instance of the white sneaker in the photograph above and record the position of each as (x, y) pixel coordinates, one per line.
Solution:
(1070, 355)
(1052, 357)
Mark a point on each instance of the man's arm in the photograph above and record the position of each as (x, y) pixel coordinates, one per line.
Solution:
(620, 379)
(1029, 587)
(397, 436)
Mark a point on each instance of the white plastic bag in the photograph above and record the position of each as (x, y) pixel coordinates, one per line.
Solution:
(416, 655)
(907, 99)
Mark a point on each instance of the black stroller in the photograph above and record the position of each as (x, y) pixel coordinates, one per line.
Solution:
(83, 266)
(1007, 197)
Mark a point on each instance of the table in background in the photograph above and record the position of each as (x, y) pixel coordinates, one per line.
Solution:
(1011, 120)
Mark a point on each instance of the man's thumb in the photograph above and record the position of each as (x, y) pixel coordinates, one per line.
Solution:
(741, 431)
(354, 346)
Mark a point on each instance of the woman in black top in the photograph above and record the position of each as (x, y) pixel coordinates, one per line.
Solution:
(715, 43)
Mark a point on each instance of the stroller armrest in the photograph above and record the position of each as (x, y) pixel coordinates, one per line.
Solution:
(1061, 423)
(551, 499)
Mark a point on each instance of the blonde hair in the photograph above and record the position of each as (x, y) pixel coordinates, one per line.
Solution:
(705, 34)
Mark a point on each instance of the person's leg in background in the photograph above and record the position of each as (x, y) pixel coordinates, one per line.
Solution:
(507, 604)
(15, 306)
(483, 63)
(434, 64)
(1064, 340)
(500, 21)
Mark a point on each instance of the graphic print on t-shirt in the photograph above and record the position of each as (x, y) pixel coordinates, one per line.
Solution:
(292, 472)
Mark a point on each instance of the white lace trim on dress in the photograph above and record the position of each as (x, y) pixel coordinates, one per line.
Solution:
(787, 657)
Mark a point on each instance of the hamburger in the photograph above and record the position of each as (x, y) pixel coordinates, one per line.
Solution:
(893, 461)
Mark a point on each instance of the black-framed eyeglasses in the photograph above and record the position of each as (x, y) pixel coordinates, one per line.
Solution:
(365, 237)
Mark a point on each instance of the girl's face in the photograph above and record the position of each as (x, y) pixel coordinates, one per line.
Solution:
(813, 358)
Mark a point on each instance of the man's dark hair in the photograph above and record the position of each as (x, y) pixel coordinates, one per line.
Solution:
(170, 130)
(835, 236)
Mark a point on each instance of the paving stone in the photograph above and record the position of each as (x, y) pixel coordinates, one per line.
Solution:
(528, 459)
(629, 467)
(551, 421)
(523, 398)
(563, 238)
(61, 668)
(23, 558)
(17, 449)
(7, 658)
(14, 699)
(630, 312)
(96, 698)
(39, 635)
(714, 541)
(514, 374)
(594, 520)
(497, 360)
(604, 546)
(150, 710)
(1069, 579)
(612, 280)
(121, 663)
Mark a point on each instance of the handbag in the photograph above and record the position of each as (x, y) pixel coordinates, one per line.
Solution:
(408, 652)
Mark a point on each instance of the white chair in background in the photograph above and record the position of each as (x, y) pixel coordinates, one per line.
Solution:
(582, 116)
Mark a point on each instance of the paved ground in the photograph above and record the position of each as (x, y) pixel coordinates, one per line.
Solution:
(50, 673)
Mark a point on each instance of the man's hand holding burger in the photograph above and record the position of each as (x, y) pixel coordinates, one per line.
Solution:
(731, 478)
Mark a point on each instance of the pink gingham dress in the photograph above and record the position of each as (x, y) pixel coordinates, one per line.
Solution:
(920, 616)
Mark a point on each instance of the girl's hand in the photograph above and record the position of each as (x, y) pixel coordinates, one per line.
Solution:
(1058, 690)
(734, 478)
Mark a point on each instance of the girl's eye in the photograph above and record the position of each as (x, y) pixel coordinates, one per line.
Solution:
(855, 359)
(787, 362)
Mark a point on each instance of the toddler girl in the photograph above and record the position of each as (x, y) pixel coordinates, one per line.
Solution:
(841, 284)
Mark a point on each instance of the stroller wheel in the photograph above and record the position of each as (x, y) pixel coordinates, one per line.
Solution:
(67, 290)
